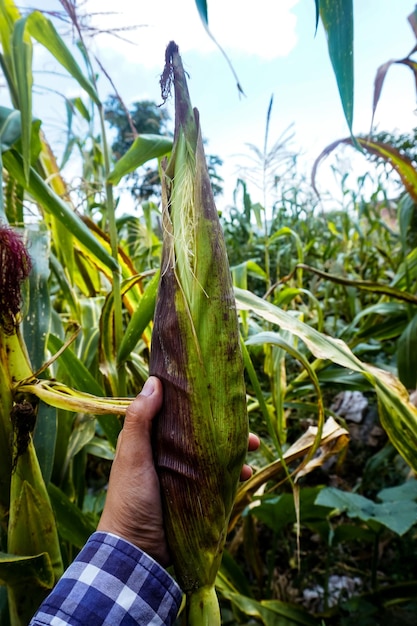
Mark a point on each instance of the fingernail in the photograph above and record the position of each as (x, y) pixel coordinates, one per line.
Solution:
(148, 388)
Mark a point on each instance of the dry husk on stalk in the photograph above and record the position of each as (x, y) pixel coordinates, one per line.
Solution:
(201, 432)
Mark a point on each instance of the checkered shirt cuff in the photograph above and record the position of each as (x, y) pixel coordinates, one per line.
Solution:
(111, 582)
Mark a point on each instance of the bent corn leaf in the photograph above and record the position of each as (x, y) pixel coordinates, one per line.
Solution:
(401, 163)
(143, 149)
(398, 415)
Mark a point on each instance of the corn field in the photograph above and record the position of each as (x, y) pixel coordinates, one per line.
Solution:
(316, 309)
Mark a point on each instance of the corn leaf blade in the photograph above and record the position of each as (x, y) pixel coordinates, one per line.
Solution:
(337, 19)
(144, 148)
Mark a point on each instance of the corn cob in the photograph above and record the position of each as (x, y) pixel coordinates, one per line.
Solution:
(201, 432)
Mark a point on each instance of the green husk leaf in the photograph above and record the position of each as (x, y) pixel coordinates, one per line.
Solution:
(201, 432)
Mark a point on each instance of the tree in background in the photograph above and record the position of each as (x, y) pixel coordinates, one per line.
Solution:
(146, 117)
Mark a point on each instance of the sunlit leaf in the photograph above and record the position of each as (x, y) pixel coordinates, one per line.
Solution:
(53, 204)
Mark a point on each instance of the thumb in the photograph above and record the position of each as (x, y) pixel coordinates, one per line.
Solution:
(135, 439)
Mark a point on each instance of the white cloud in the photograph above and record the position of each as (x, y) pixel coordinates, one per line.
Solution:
(265, 29)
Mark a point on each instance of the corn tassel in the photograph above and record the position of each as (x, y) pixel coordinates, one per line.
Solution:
(201, 432)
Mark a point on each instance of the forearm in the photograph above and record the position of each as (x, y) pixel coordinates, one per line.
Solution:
(111, 582)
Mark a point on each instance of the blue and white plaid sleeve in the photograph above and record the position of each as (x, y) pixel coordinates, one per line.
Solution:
(113, 583)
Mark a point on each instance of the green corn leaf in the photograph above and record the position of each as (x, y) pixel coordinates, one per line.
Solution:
(400, 162)
(44, 439)
(37, 319)
(10, 127)
(6, 403)
(143, 149)
(10, 132)
(32, 524)
(285, 231)
(337, 19)
(203, 13)
(267, 612)
(9, 14)
(317, 3)
(133, 295)
(53, 204)
(79, 375)
(381, 309)
(26, 570)
(22, 66)
(64, 285)
(234, 575)
(82, 433)
(109, 362)
(140, 319)
(31, 532)
(78, 104)
(107, 345)
(277, 339)
(73, 526)
(398, 415)
(407, 355)
(42, 29)
(101, 448)
(364, 285)
(83, 380)
(390, 328)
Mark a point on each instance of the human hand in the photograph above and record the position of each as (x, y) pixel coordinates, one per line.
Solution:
(133, 508)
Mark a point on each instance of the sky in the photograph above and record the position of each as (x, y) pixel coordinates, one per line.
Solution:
(274, 51)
